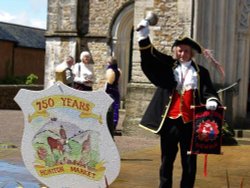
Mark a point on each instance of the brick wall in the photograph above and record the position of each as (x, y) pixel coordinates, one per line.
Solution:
(18, 61)
(6, 54)
(29, 61)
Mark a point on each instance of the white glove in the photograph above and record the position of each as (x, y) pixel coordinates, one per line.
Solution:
(211, 105)
(143, 31)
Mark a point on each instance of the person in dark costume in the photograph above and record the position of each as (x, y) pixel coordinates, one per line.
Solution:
(180, 84)
(113, 74)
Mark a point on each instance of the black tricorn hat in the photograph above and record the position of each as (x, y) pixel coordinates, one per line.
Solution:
(188, 41)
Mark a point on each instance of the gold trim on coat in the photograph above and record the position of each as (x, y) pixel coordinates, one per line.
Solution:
(145, 47)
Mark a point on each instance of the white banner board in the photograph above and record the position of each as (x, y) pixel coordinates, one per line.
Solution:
(66, 142)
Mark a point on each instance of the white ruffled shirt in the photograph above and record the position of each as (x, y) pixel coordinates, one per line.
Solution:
(186, 77)
(83, 73)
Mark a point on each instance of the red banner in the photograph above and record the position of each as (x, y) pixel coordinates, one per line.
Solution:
(207, 130)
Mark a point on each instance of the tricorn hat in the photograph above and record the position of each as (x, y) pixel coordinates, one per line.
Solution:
(188, 41)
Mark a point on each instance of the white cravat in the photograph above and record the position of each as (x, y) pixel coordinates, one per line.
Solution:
(186, 77)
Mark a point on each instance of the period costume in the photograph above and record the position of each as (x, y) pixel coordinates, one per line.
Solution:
(64, 74)
(179, 85)
(159, 68)
(84, 76)
(113, 91)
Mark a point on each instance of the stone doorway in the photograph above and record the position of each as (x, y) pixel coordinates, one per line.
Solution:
(121, 44)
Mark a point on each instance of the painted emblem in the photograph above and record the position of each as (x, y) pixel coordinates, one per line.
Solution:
(207, 131)
(66, 141)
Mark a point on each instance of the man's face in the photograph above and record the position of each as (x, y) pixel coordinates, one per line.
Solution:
(184, 53)
(70, 62)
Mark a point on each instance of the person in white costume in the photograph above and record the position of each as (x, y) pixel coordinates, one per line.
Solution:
(84, 73)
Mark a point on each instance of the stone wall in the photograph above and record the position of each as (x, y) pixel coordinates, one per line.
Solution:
(8, 92)
(82, 25)
(175, 20)
(139, 96)
(92, 31)
(101, 14)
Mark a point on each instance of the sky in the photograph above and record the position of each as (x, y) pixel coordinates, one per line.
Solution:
(32, 13)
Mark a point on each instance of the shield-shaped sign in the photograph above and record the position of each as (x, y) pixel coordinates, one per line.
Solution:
(66, 141)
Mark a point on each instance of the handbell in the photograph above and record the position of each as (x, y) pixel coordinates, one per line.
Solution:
(152, 19)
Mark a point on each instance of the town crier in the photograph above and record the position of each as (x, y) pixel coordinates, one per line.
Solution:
(181, 83)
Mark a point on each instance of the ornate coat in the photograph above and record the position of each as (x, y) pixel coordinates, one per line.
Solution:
(158, 68)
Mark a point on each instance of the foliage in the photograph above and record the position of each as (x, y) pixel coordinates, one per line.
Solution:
(31, 79)
(228, 135)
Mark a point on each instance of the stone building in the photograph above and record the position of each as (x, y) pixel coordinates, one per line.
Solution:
(106, 28)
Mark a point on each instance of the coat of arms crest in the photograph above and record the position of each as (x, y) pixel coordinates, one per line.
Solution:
(66, 142)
